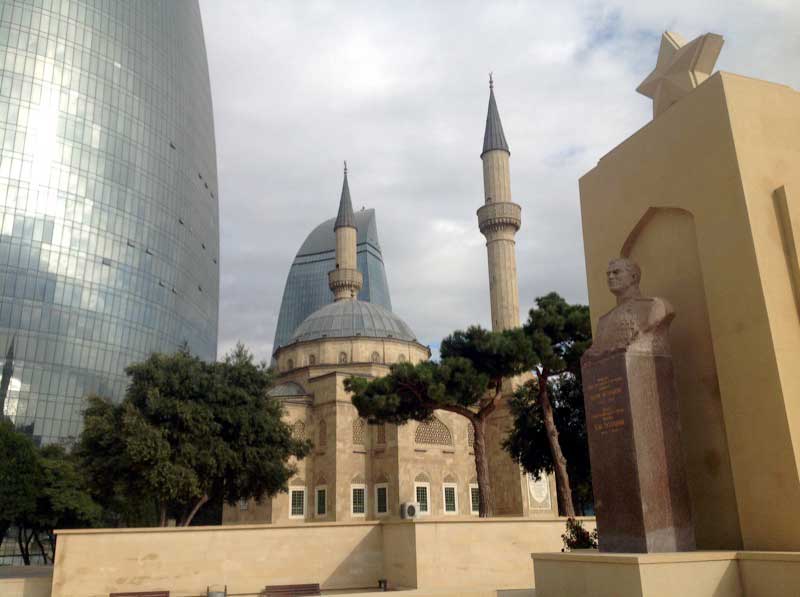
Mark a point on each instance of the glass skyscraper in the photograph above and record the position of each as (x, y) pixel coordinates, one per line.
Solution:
(307, 290)
(109, 240)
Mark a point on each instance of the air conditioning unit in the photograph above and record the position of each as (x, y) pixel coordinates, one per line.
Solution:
(409, 510)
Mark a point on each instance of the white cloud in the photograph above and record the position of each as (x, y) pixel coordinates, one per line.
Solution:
(399, 90)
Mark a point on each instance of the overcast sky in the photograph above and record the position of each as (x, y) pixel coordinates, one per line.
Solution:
(399, 90)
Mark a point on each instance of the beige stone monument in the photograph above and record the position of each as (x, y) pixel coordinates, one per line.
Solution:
(702, 198)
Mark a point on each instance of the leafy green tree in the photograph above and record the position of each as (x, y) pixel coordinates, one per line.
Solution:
(187, 431)
(63, 502)
(529, 445)
(559, 334)
(467, 381)
(20, 474)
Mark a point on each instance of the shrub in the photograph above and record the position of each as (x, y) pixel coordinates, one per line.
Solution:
(578, 537)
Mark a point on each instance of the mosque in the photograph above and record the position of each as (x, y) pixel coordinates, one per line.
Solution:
(336, 321)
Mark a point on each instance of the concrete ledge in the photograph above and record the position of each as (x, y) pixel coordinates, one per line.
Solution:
(587, 573)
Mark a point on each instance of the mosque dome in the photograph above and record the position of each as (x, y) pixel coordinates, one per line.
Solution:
(348, 318)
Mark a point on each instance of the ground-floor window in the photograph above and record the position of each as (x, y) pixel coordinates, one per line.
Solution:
(243, 505)
(322, 501)
(359, 500)
(297, 503)
(474, 499)
(381, 499)
(450, 498)
(422, 492)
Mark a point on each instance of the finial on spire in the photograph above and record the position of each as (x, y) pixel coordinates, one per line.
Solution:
(493, 137)
(345, 167)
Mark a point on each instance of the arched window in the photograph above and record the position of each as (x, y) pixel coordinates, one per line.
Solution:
(380, 434)
(290, 364)
(299, 430)
(358, 431)
(401, 358)
(470, 436)
(376, 357)
(433, 432)
(342, 358)
(312, 360)
(323, 433)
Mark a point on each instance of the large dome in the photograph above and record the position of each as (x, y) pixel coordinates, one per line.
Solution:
(344, 319)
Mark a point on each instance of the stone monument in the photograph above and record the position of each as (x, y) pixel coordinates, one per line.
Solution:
(641, 496)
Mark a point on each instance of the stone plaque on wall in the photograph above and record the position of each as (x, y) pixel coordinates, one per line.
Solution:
(539, 493)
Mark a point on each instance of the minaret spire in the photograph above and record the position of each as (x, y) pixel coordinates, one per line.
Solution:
(345, 281)
(493, 137)
(499, 219)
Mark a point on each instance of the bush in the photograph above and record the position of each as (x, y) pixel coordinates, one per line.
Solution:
(578, 537)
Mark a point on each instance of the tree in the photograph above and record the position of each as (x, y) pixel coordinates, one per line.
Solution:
(559, 334)
(467, 381)
(187, 431)
(41, 489)
(19, 477)
(528, 442)
(62, 502)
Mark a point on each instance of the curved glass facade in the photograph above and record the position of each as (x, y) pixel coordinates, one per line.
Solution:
(307, 290)
(109, 237)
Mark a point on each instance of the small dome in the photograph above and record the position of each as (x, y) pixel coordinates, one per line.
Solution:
(288, 388)
(344, 319)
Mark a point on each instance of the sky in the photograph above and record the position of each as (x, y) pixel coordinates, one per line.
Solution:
(400, 91)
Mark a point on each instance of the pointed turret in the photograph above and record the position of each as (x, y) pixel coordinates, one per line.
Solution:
(345, 281)
(493, 136)
(499, 219)
(345, 217)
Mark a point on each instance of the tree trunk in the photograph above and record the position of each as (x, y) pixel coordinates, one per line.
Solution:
(191, 514)
(485, 494)
(41, 547)
(559, 462)
(24, 543)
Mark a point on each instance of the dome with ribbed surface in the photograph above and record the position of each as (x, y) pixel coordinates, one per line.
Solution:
(344, 319)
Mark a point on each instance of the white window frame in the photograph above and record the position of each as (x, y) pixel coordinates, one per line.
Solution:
(244, 505)
(305, 505)
(427, 487)
(445, 486)
(353, 513)
(471, 487)
(317, 489)
(377, 487)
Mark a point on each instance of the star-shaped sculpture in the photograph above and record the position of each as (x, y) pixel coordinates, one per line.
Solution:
(680, 68)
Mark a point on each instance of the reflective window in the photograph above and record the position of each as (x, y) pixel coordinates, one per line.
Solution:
(105, 117)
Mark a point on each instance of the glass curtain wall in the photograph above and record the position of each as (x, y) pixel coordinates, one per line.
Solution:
(109, 241)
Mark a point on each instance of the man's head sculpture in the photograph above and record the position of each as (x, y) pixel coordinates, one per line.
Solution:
(623, 277)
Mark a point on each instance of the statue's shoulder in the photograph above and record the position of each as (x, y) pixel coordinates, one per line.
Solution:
(656, 307)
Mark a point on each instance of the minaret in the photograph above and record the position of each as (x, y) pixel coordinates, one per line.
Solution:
(345, 281)
(498, 220)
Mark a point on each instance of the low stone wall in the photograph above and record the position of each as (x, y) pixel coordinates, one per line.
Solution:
(430, 554)
(25, 581)
(185, 561)
(483, 554)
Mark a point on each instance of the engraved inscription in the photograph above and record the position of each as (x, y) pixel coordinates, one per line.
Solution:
(607, 412)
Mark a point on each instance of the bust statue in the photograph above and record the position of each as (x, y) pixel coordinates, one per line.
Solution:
(633, 423)
(637, 324)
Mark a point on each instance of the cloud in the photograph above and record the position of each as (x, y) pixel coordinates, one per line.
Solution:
(400, 91)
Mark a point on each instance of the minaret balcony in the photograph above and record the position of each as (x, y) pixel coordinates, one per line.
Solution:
(502, 214)
(345, 278)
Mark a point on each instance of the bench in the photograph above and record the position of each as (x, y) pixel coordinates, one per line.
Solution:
(291, 590)
(144, 594)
